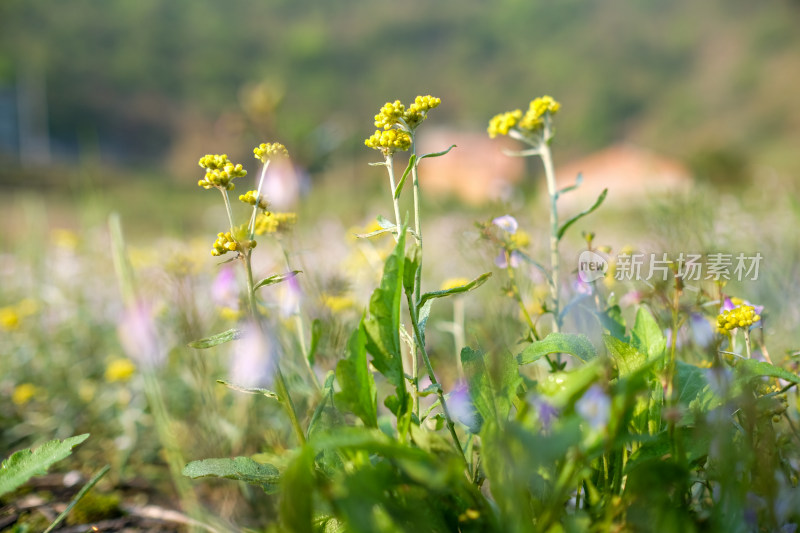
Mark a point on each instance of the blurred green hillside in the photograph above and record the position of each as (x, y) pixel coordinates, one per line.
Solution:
(157, 82)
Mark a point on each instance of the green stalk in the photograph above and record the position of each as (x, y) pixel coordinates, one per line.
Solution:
(282, 388)
(228, 207)
(440, 393)
(298, 318)
(395, 201)
(547, 161)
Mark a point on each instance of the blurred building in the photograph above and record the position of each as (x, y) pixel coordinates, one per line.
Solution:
(630, 173)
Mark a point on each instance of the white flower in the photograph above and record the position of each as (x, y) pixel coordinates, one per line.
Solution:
(506, 223)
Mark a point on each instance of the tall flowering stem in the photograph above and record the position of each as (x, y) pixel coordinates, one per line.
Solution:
(534, 128)
(399, 125)
(220, 173)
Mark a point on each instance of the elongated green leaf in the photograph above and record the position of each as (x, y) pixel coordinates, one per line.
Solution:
(492, 387)
(249, 390)
(582, 214)
(413, 261)
(694, 391)
(297, 492)
(474, 284)
(438, 154)
(578, 182)
(398, 189)
(358, 394)
(276, 278)
(577, 345)
(647, 336)
(612, 320)
(215, 340)
(25, 464)
(376, 232)
(628, 358)
(383, 325)
(752, 368)
(244, 469)
(81, 493)
(316, 334)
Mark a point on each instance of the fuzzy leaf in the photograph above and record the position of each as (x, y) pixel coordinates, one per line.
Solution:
(647, 336)
(244, 469)
(577, 345)
(399, 187)
(474, 284)
(25, 464)
(438, 154)
(358, 393)
(628, 358)
(276, 278)
(248, 390)
(316, 333)
(582, 214)
(491, 387)
(383, 325)
(297, 492)
(752, 368)
(214, 340)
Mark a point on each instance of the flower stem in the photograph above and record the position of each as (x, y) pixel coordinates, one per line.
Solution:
(282, 389)
(547, 162)
(440, 393)
(395, 201)
(252, 224)
(228, 207)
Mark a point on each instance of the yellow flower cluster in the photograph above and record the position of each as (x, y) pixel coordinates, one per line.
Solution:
(266, 151)
(12, 316)
(418, 111)
(23, 393)
(739, 317)
(533, 118)
(275, 222)
(337, 303)
(519, 239)
(390, 114)
(530, 122)
(120, 370)
(227, 243)
(502, 123)
(219, 172)
(389, 141)
(250, 198)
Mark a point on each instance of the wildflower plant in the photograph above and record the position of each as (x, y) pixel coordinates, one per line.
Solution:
(381, 445)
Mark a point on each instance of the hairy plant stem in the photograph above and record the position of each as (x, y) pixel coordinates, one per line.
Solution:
(440, 393)
(252, 224)
(227, 201)
(395, 201)
(549, 171)
(282, 389)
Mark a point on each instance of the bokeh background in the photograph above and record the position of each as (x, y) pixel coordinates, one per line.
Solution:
(687, 110)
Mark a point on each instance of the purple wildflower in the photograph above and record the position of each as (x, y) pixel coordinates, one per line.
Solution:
(595, 407)
(506, 223)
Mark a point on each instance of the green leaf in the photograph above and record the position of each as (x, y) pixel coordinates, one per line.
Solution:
(399, 187)
(474, 284)
(565, 387)
(577, 345)
(492, 387)
(578, 182)
(358, 394)
(582, 214)
(25, 464)
(647, 336)
(694, 391)
(612, 321)
(316, 334)
(752, 368)
(254, 390)
(383, 325)
(276, 278)
(317, 422)
(244, 469)
(413, 261)
(214, 340)
(438, 154)
(628, 358)
(376, 232)
(74, 501)
(296, 507)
